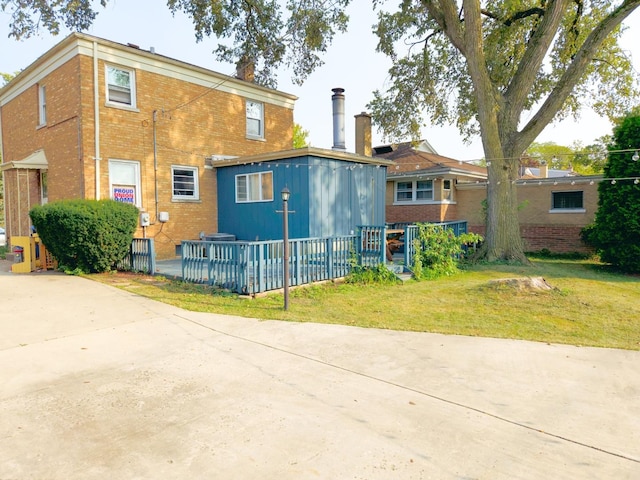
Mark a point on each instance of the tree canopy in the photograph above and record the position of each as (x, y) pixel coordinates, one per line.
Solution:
(503, 69)
(300, 136)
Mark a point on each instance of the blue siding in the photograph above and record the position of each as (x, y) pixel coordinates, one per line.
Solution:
(260, 220)
(329, 197)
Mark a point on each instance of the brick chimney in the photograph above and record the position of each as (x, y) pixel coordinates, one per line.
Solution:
(245, 69)
(544, 169)
(363, 134)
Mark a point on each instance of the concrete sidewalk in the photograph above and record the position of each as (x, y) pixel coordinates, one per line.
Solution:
(99, 383)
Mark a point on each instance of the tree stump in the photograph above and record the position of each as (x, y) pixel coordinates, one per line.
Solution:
(525, 284)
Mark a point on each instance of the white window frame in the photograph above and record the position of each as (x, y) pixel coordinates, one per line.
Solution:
(252, 117)
(132, 87)
(195, 190)
(262, 190)
(42, 105)
(570, 209)
(125, 179)
(447, 193)
(44, 187)
(414, 190)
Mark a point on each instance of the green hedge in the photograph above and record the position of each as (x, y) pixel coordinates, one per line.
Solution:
(86, 235)
(616, 231)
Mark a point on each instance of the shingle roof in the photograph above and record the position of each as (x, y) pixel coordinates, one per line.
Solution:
(409, 160)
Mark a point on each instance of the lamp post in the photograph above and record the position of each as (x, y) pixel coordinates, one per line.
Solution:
(285, 193)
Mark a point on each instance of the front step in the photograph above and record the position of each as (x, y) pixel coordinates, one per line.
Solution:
(399, 271)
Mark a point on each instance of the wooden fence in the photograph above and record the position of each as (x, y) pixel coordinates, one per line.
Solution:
(141, 257)
(254, 267)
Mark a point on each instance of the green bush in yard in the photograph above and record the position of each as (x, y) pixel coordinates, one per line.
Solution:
(616, 232)
(86, 235)
(438, 250)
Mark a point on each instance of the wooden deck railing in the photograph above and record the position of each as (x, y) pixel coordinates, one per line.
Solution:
(254, 267)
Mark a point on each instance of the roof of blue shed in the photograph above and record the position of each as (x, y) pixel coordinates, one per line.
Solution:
(297, 153)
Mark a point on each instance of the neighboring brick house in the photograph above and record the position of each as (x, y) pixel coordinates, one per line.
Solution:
(97, 119)
(552, 211)
(421, 186)
(426, 187)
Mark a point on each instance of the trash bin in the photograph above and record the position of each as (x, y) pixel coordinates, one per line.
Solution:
(18, 254)
(220, 237)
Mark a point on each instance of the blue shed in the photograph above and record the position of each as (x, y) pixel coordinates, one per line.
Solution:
(331, 193)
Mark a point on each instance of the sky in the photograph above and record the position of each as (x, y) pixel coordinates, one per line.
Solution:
(350, 63)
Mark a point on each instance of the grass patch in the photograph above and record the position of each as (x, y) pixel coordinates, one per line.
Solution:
(589, 305)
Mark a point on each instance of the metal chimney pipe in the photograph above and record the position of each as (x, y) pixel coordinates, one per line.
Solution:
(338, 119)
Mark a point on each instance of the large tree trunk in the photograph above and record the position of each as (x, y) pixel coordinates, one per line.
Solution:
(503, 240)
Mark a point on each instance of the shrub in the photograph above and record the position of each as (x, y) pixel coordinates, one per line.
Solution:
(438, 250)
(616, 230)
(86, 235)
(379, 274)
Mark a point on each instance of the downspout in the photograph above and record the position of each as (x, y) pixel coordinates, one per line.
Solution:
(4, 180)
(96, 117)
(155, 161)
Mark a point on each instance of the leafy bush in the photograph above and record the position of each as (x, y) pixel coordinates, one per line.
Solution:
(86, 235)
(616, 230)
(438, 250)
(379, 274)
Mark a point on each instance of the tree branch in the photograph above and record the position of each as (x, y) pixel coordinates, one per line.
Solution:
(508, 21)
(574, 72)
(446, 15)
(518, 90)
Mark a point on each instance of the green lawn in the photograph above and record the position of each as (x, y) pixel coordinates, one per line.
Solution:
(589, 306)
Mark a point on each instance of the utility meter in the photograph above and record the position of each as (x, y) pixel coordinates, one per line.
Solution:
(145, 219)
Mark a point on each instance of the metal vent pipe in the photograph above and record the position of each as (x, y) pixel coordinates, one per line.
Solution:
(338, 119)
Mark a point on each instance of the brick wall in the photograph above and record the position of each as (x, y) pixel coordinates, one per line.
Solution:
(192, 122)
(59, 138)
(540, 226)
(426, 212)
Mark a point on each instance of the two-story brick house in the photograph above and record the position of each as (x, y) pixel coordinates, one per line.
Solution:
(97, 119)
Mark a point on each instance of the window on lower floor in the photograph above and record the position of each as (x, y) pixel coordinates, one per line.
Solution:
(414, 191)
(124, 181)
(573, 200)
(254, 187)
(185, 183)
(446, 189)
(44, 187)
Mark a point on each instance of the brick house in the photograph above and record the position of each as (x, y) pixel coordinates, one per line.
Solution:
(426, 187)
(552, 211)
(421, 186)
(96, 119)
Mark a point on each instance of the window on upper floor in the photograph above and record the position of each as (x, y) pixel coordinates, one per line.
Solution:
(185, 183)
(124, 181)
(254, 187)
(572, 201)
(414, 191)
(255, 119)
(42, 105)
(121, 86)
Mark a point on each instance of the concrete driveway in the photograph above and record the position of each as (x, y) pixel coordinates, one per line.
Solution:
(99, 383)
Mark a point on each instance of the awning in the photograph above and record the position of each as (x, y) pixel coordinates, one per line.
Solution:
(36, 161)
